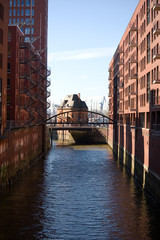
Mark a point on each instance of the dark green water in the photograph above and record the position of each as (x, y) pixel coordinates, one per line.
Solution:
(78, 193)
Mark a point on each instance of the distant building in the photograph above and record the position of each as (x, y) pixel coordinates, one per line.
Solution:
(73, 103)
(3, 63)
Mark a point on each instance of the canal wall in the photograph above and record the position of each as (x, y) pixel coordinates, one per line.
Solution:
(19, 150)
(138, 150)
(95, 136)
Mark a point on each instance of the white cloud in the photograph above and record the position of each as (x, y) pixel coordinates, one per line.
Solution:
(81, 54)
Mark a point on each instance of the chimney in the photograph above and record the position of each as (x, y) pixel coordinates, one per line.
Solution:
(79, 95)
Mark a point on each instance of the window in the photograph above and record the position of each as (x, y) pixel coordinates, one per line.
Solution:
(10, 12)
(32, 30)
(142, 120)
(27, 21)
(18, 3)
(27, 3)
(21, 20)
(32, 12)
(9, 36)
(17, 20)
(27, 30)
(8, 99)
(8, 115)
(148, 48)
(27, 12)
(27, 39)
(158, 72)
(8, 82)
(14, 3)
(9, 51)
(1, 60)
(152, 14)
(32, 3)
(22, 3)
(148, 12)
(8, 67)
(22, 12)
(1, 11)
(1, 36)
(10, 3)
(10, 21)
(32, 21)
(18, 12)
(148, 87)
(14, 12)
(14, 20)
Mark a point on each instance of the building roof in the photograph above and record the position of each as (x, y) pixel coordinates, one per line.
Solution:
(73, 101)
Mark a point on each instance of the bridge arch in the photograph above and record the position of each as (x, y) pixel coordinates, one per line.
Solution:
(91, 118)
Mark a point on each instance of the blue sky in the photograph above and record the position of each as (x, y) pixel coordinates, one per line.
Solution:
(82, 38)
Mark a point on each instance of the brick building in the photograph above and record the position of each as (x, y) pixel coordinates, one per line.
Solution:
(134, 69)
(23, 86)
(26, 83)
(32, 18)
(134, 93)
(72, 103)
(27, 61)
(3, 62)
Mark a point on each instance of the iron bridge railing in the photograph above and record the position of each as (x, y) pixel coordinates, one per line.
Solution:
(79, 118)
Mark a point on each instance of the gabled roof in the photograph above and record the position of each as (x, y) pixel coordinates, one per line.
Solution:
(73, 101)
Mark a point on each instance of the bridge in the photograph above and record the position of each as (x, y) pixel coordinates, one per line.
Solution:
(78, 120)
(82, 126)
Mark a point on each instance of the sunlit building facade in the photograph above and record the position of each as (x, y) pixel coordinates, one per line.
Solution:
(134, 93)
(72, 103)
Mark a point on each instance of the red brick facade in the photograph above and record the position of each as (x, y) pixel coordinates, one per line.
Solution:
(27, 74)
(3, 63)
(32, 18)
(134, 92)
(134, 77)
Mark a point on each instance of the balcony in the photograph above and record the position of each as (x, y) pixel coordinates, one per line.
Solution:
(120, 75)
(132, 109)
(156, 6)
(133, 28)
(156, 31)
(110, 78)
(120, 50)
(121, 84)
(121, 98)
(156, 81)
(121, 62)
(120, 110)
(134, 76)
(133, 93)
(133, 59)
(133, 44)
(156, 56)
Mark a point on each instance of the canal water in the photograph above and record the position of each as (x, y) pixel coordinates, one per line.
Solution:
(77, 193)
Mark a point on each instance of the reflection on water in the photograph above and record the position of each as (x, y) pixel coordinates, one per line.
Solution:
(77, 192)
